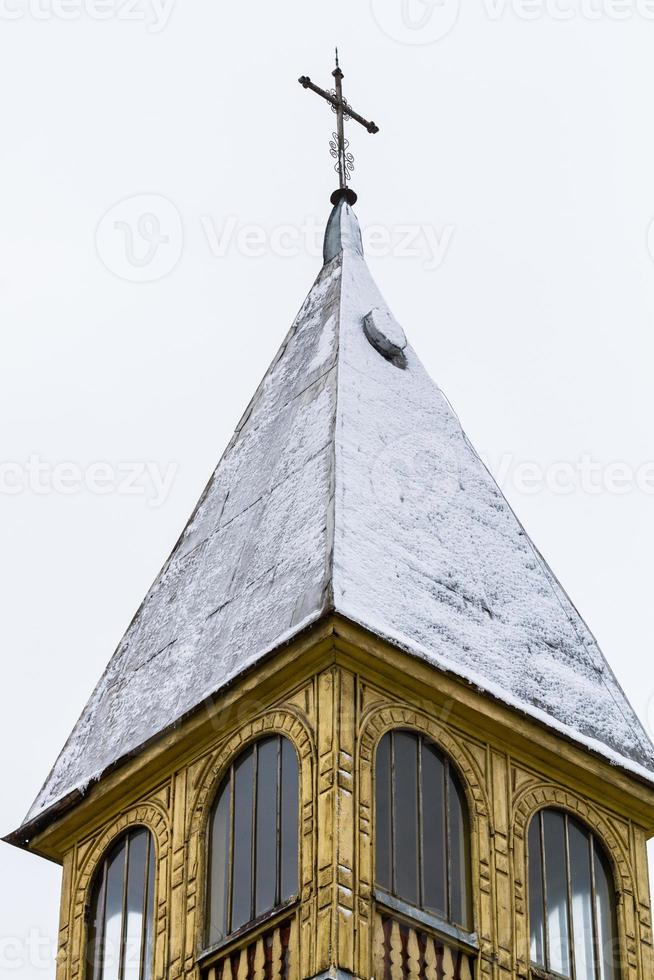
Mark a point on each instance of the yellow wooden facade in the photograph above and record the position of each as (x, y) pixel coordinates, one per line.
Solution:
(334, 692)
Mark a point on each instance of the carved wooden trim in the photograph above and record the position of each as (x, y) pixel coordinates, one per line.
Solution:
(154, 818)
(150, 815)
(286, 721)
(383, 718)
(386, 717)
(543, 795)
(269, 954)
(278, 722)
(411, 952)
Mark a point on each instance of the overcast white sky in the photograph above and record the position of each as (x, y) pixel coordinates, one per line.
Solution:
(508, 199)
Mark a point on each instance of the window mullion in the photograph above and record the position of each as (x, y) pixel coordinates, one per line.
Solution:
(447, 857)
(421, 879)
(278, 828)
(98, 953)
(123, 924)
(571, 928)
(230, 866)
(593, 901)
(144, 923)
(546, 918)
(392, 781)
(253, 832)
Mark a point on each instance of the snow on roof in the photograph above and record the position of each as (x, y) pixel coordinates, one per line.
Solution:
(349, 485)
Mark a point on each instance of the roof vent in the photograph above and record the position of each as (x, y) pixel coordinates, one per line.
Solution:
(386, 336)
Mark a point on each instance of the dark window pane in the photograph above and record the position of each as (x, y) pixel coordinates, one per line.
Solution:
(459, 858)
(122, 911)
(132, 945)
(149, 916)
(434, 846)
(406, 816)
(289, 820)
(421, 828)
(114, 915)
(582, 905)
(536, 906)
(267, 776)
(96, 926)
(574, 861)
(242, 868)
(608, 946)
(383, 826)
(219, 877)
(254, 838)
(557, 892)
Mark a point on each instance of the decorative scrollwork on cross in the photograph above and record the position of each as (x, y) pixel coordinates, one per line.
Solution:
(338, 145)
(346, 159)
(334, 108)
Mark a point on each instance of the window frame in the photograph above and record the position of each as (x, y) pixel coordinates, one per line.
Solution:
(597, 852)
(391, 900)
(281, 906)
(93, 949)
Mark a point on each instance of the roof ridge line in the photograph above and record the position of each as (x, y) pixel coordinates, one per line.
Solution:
(558, 590)
(331, 506)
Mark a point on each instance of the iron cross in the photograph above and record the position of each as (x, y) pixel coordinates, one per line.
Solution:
(339, 144)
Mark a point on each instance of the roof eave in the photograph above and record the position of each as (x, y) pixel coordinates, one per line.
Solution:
(337, 624)
(28, 831)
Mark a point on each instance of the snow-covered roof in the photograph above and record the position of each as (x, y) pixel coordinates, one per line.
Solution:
(349, 486)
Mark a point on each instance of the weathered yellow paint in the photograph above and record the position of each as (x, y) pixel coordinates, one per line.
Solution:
(334, 692)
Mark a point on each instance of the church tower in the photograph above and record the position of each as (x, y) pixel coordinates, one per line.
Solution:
(356, 728)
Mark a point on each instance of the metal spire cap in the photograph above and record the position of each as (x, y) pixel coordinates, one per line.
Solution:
(342, 232)
(339, 144)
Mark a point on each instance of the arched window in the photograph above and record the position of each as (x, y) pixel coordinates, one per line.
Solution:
(571, 900)
(421, 828)
(253, 838)
(122, 911)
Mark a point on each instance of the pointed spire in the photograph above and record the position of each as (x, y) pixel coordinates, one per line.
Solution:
(348, 487)
(342, 231)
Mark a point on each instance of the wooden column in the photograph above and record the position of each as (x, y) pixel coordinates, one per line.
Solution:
(178, 880)
(63, 943)
(336, 819)
(503, 925)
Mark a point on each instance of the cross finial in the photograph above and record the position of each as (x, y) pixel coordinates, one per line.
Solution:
(339, 144)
